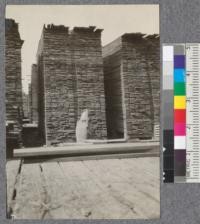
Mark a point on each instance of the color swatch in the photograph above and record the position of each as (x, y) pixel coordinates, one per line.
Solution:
(181, 113)
(179, 104)
(167, 114)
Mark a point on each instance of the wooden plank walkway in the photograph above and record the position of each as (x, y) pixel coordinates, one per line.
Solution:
(94, 189)
(12, 168)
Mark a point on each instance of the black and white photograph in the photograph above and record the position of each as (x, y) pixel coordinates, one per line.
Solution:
(82, 85)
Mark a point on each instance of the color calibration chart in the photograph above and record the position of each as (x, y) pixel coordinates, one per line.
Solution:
(181, 112)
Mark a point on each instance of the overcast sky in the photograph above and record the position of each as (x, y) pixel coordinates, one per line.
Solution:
(114, 19)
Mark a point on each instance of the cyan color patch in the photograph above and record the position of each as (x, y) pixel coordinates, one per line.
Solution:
(179, 75)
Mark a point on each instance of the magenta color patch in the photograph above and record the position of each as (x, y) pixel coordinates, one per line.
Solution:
(179, 129)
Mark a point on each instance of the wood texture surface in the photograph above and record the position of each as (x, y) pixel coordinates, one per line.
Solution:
(152, 153)
(86, 149)
(95, 189)
(12, 168)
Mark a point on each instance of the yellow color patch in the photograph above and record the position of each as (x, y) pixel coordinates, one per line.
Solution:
(179, 102)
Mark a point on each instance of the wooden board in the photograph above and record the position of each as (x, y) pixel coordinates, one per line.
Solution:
(31, 198)
(99, 141)
(139, 188)
(95, 189)
(12, 170)
(153, 153)
(95, 200)
(87, 149)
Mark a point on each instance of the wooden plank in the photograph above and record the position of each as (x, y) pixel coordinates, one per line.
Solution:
(150, 180)
(95, 199)
(129, 185)
(73, 143)
(78, 196)
(152, 166)
(143, 173)
(91, 157)
(130, 169)
(98, 141)
(31, 198)
(64, 200)
(96, 189)
(12, 170)
(83, 149)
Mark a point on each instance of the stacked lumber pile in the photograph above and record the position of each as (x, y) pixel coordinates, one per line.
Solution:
(14, 100)
(71, 66)
(138, 68)
(56, 112)
(88, 68)
(139, 108)
(153, 56)
(114, 91)
(34, 94)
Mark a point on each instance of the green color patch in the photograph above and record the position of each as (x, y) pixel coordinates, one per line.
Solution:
(179, 89)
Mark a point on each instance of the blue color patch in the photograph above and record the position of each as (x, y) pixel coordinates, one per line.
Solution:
(179, 75)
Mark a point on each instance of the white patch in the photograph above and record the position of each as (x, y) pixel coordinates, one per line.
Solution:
(81, 127)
